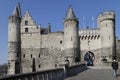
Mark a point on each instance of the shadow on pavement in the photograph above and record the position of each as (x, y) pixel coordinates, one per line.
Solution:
(118, 75)
(75, 73)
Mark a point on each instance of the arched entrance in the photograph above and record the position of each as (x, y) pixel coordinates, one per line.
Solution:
(89, 58)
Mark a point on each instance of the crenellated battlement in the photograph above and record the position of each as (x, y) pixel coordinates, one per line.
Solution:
(106, 16)
(89, 33)
(33, 47)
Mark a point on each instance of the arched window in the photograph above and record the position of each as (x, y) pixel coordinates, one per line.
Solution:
(88, 37)
(82, 37)
(98, 37)
(92, 37)
(85, 37)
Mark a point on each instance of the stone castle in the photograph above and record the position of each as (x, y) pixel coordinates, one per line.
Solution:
(32, 47)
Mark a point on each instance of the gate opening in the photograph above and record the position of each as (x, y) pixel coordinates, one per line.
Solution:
(89, 58)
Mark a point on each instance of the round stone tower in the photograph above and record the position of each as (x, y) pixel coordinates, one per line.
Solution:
(106, 24)
(71, 41)
(14, 42)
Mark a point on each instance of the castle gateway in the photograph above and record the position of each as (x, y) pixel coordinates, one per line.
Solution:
(34, 48)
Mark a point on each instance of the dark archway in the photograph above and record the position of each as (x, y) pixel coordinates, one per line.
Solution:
(89, 58)
(17, 67)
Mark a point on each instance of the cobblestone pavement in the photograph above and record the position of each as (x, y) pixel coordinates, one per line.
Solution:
(95, 74)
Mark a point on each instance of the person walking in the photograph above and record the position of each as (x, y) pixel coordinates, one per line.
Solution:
(115, 67)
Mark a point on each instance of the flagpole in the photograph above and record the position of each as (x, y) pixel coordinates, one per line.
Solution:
(93, 24)
(83, 21)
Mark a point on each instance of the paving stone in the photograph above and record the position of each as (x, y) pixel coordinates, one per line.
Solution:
(95, 74)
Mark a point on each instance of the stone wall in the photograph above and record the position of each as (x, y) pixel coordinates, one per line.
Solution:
(51, 74)
(88, 42)
(3, 70)
(30, 39)
(99, 55)
(44, 59)
(118, 49)
(54, 74)
(42, 49)
(52, 40)
(47, 50)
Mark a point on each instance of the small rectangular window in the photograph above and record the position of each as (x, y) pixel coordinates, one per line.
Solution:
(26, 23)
(17, 55)
(39, 55)
(61, 42)
(109, 37)
(26, 29)
(106, 25)
(71, 38)
(55, 65)
(31, 55)
(23, 55)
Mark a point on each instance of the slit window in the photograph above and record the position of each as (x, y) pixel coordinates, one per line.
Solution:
(39, 66)
(39, 55)
(31, 55)
(106, 25)
(17, 55)
(71, 38)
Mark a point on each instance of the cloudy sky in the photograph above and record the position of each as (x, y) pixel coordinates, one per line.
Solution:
(53, 11)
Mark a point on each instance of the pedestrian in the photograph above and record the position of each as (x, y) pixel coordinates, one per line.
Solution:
(115, 67)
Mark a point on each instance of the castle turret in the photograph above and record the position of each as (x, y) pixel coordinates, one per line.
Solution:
(14, 42)
(71, 36)
(106, 24)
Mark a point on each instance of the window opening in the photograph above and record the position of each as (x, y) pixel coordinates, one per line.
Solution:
(106, 25)
(71, 38)
(26, 23)
(17, 55)
(26, 29)
(61, 42)
(39, 55)
(23, 55)
(31, 55)
(55, 65)
(8, 64)
(39, 66)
